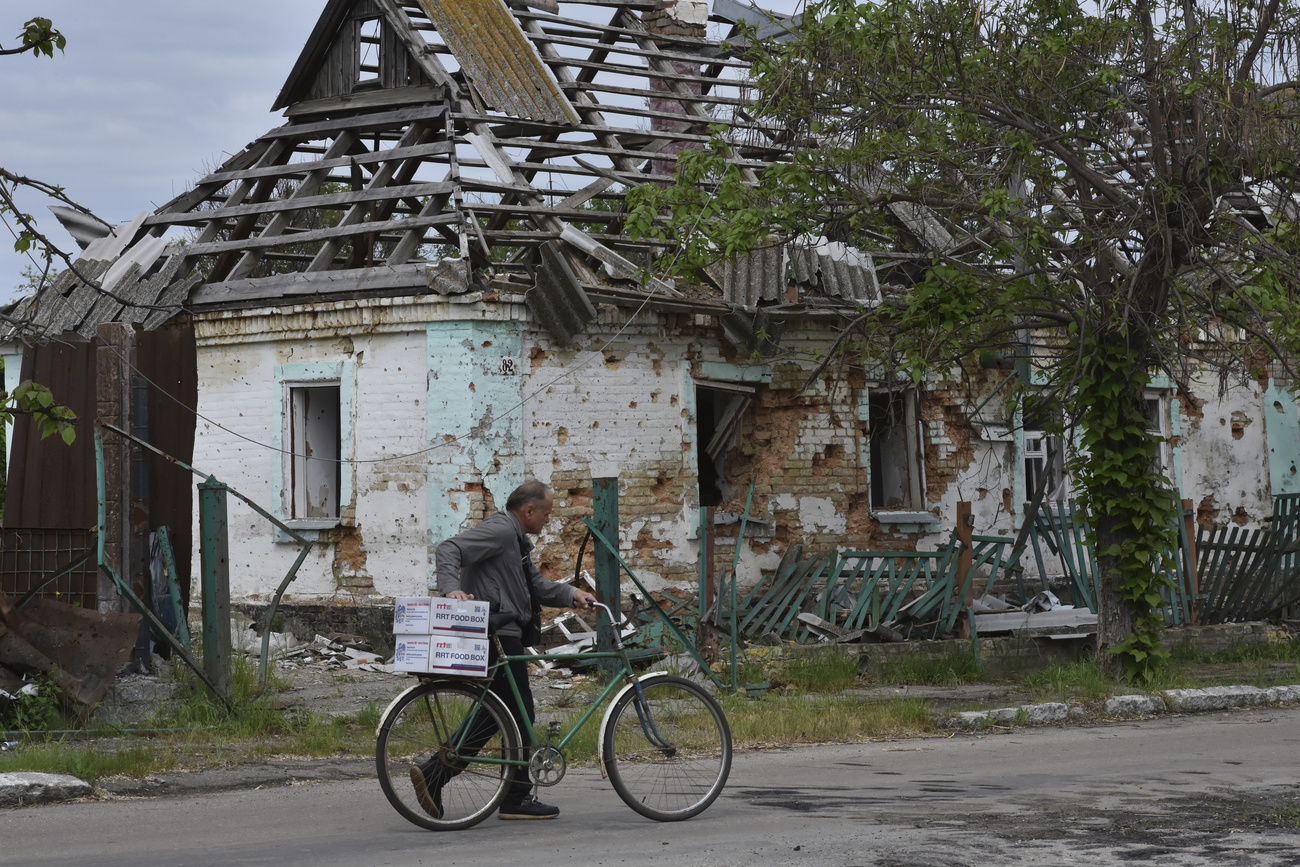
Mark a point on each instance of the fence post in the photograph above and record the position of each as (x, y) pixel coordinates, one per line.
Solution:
(965, 535)
(1189, 529)
(214, 558)
(605, 516)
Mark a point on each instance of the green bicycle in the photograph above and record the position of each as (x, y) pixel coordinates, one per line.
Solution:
(664, 744)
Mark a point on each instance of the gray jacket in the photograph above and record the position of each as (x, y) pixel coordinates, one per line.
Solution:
(485, 562)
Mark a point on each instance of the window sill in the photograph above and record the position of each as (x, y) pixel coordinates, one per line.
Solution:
(311, 529)
(910, 517)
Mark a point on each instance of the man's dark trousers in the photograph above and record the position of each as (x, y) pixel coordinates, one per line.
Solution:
(483, 728)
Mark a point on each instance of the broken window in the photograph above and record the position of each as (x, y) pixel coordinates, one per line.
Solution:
(1043, 452)
(897, 464)
(718, 409)
(1156, 404)
(314, 435)
(368, 51)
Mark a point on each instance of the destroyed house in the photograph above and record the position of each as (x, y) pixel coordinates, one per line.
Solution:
(416, 291)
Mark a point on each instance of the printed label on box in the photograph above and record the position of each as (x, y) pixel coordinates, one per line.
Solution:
(458, 656)
(458, 618)
(411, 653)
(411, 615)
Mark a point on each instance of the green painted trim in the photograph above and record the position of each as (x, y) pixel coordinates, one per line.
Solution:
(690, 434)
(1282, 438)
(723, 372)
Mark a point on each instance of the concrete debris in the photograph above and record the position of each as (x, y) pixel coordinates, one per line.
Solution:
(248, 640)
(20, 789)
(1044, 601)
(337, 652)
(990, 605)
(138, 698)
(1062, 620)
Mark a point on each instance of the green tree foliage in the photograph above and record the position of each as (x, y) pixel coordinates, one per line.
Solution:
(39, 37)
(1105, 190)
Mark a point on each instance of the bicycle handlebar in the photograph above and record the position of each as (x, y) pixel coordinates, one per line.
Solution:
(613, 623)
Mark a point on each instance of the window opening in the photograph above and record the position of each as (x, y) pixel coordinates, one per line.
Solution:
(314, 433)
(894, 435)
(368, 51)
(1157, 413)
(1043, 453)
(718, 410)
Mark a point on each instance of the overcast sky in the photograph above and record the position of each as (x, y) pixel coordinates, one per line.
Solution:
(147, 98)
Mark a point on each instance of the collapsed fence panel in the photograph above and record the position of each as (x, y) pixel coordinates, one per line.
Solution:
(1250, 574)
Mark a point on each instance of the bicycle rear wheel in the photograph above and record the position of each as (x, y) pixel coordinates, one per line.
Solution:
(668, 758)
(422, 730)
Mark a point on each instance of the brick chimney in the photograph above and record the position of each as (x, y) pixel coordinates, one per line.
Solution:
(685, 18)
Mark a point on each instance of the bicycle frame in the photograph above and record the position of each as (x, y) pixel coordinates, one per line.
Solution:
(624, 676)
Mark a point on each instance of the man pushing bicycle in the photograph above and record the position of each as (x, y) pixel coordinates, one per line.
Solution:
(492, 562)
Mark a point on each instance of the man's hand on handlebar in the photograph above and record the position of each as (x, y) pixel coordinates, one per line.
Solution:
(582, 599)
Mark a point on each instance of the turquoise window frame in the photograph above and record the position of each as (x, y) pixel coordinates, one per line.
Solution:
(310, 373)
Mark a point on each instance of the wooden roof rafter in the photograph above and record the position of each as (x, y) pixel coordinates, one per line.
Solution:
(445, 163)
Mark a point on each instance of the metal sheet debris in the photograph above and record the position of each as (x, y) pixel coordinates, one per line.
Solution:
(78, 650)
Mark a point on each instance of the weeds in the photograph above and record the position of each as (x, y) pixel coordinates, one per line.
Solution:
(928, 671)
(822, 670)
(1080, 680)
(88, 762)
(36, 711)
(777, 720)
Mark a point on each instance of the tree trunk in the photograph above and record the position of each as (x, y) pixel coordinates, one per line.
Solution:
(1114, 616)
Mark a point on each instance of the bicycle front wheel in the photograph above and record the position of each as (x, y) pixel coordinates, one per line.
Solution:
(668, 756)
(455, 736)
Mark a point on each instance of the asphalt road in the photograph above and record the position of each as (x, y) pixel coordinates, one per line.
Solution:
(1218, 789)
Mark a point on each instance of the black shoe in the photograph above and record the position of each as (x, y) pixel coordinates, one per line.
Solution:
(530, 808)
(431, 801)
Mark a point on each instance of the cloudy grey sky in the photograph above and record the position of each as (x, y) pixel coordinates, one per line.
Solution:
(147, 98)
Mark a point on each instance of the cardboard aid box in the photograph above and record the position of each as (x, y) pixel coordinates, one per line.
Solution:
(436, 615)
(458, 657)
(411, 615)
(458, 618)
(411, 653)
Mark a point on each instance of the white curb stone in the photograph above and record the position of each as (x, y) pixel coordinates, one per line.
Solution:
(1214, 698)
(1134, 705)
(1283, 693)
(1028, 714)
(31, 788)
(1052, 711)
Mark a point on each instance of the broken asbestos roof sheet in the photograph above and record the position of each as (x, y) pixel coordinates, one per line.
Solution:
(440, 144)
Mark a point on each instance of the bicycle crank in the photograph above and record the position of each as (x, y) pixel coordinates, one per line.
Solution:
(547, 766)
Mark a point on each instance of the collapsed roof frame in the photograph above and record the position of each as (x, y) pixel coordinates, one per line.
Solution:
(439, 145)
(518, 132)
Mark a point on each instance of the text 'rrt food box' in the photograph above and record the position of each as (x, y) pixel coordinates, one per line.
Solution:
(458, 657)
(457, 618)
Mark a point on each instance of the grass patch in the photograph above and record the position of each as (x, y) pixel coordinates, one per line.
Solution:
(784, 720)
(87, 761)
(820, 670)
(951, 670)
(199, 732)
(1240, 652)
(1078, 680)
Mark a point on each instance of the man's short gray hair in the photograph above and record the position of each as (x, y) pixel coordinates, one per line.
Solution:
(530, 493)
